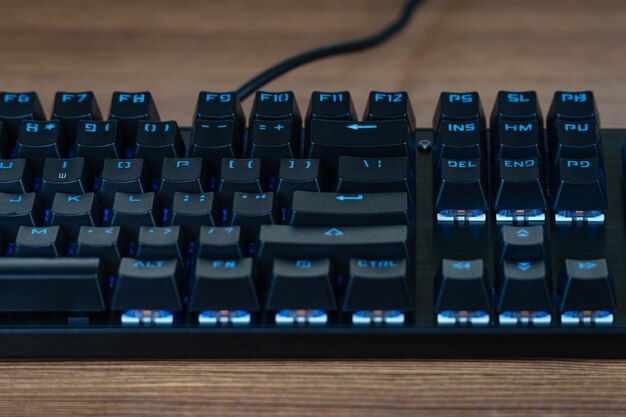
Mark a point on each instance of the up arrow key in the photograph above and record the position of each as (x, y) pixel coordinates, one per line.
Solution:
(524, 266)
(333, 232)
(356, 126)
(522, 233)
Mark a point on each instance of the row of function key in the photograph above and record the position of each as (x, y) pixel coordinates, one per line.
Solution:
(518, 169)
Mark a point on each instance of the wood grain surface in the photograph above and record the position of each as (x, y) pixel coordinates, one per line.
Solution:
(176, 48)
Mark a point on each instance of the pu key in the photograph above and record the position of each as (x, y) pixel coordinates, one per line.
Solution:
(128, 109)
(72, 211)
(389, 106)
(69, 108)
(16, 107)
(40, 242)
(96, 141)
(576, 140)
(15, 176)
(158, 140)
(122, 176)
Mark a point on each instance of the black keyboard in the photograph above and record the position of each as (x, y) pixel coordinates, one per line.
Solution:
(313, 234)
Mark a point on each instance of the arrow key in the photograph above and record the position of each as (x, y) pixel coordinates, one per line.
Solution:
(462, 293)
(522, 244)
(587, 293)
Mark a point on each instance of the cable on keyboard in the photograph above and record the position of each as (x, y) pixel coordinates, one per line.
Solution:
(329, 50)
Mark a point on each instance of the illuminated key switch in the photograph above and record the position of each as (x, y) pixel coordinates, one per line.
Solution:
(462, 293)
(460, 191)
(579, 191)
(519, 194)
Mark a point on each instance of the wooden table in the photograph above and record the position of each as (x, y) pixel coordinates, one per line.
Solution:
(177, 48)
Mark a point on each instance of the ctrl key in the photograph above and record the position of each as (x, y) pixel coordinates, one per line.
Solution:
(147, 292)
(223, 292)
(587, 293)
(462, 293)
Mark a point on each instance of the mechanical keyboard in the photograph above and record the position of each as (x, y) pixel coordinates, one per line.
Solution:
(279, 235)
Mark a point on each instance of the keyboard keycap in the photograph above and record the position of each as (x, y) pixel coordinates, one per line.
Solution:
(51, 284)
(461, 140)
(572, 106)
(377, 285)
(158, 140)
(516, 105)
(40, 242)
(16, 107)
(297, 175)
(213, 141)
(96, 141)
(128, 109)
(586, 285)
(330, 106)
(461, 288)
(329, 139)
(15, 177)
(276, 106)
(519, 186)
(122, 176)
(339, 244)
(72, 211)
(64, 176)
(19, 210)
(242, 175)
(389, 106)
(579, 185)
(271, 141)
(522, 244)
(191, 210)
(577, 140)
(513, 139)
(328, 209)
(459, 107)
(362, 175)
(161, 243)
(220, 243)
(107, 243)
(460, 186)
(184, 175)
(147, 285)
(37, 141)
(220, 107)
(223, 285)
(250, 211)
(523, 286)
(301, 284)
(131, 211)
(69, 108)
